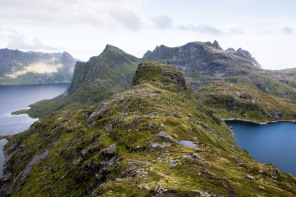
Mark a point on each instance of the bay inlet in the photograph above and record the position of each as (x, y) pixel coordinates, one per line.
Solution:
(16, 97)
(269, 143)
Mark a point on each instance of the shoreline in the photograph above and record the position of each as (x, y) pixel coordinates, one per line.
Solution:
(31, 84)
(4, 137)
(257, 122)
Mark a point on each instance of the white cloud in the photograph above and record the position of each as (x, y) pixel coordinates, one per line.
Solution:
(125, 17)
(19, 41)
(163, 21)
(97, 13)
(236, 31)
(204, 29)
(84, 27)
(287, 30)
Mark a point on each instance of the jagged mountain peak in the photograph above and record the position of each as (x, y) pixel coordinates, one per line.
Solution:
(216, 45)
(246, 54)
(111, 48)
(65, 53)
(115, 55)
(147, 53)
(197, 59)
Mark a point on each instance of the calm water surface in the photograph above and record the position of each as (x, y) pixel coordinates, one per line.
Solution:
(271, 143)
(187, 143)
(13, 98)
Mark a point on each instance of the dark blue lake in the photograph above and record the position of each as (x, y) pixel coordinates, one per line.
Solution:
(13, 98)
(270, 143)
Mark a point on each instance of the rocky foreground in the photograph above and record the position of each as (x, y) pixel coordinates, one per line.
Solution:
(129, 145)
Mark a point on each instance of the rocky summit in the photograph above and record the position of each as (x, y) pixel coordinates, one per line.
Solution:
(161, 74)
(154, 139)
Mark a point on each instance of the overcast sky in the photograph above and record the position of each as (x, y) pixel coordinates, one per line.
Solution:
(266, 28)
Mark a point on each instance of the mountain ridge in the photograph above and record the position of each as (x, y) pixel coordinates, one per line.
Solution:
(278, 83)
(93, 81)
(204, 62)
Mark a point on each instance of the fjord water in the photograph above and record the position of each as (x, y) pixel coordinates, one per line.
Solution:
(270, 143)
(13, 98)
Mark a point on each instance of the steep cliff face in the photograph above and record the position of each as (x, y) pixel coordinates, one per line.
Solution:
(130, 145)
(17, 67)
(68, 62)
(113, 67)
(93, 81)
(204, 62)
(198, 58)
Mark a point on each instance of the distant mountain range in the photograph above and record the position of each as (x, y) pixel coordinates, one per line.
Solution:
(202, 63)
(17, 67)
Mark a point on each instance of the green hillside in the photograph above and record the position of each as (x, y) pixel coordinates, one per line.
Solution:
(228, 101)
(93, 81)
(129, 145)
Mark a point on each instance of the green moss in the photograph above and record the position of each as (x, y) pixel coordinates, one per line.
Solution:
(165, 76)
(144, 124)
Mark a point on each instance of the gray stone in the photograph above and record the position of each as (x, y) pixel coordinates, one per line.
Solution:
(172, 166)
(247, 176)
(186, 157)
(274, 174)
(159, 189)
(110, 150)
(19, 181)
(196, 156)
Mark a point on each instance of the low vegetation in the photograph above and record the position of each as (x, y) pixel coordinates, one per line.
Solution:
(128, 145)
(233, 101)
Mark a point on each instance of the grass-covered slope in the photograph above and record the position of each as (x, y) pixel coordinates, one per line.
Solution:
(128, 145)
(93, 81)
(228, 100)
